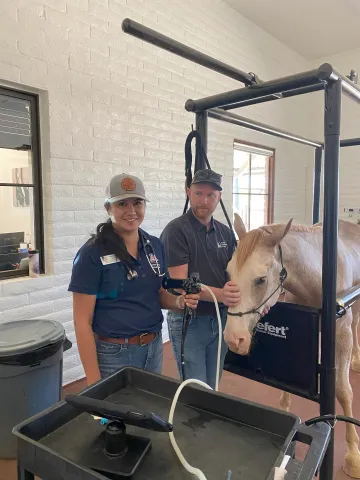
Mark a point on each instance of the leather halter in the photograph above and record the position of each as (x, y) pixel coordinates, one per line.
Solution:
(282, 277)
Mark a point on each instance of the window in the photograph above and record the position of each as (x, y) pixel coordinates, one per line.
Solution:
(253, 184)
(21, 227)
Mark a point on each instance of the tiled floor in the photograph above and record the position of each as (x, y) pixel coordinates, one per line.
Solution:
(238, 386)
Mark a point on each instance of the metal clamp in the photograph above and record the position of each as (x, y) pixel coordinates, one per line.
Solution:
(317, 437)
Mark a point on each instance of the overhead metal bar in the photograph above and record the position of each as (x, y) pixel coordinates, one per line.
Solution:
(291, 85)
(349, 88)
(347, 298)
(350, 142)
(281, 85)
(229, 117)
(270, 98)
(166, 43)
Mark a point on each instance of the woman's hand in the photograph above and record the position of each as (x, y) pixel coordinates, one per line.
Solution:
(191, 300)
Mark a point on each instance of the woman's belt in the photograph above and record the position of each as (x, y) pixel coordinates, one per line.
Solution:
(141, 340)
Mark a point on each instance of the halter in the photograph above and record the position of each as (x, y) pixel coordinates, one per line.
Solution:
(282, 277)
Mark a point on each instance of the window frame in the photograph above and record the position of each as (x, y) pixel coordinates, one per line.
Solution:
(270, 172)
(36, 184)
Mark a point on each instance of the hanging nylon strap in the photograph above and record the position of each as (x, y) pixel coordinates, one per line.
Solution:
(199, 153)
(188, 159)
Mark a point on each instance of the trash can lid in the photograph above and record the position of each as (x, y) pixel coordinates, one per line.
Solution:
(25, 336)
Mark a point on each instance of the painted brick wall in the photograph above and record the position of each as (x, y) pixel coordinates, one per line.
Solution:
(349, 191)
(112, 104)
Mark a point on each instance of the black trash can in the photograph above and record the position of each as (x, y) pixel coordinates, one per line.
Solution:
(31, 364)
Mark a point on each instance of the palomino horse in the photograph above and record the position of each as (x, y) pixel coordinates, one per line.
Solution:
(256, 268)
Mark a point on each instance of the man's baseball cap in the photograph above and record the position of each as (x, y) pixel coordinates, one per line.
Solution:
(124, 186)
(207, 176)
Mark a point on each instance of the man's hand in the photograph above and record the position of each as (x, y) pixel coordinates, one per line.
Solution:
(231, 294)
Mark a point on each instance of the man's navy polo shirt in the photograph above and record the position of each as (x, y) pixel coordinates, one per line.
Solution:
(207, 252)
(124, 308)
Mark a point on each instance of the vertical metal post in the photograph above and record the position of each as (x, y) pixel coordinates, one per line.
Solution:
(317, 185)
(202, 127)
(23, 474)
(329, 269)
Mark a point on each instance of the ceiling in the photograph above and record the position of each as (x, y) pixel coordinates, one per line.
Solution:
(314, 29)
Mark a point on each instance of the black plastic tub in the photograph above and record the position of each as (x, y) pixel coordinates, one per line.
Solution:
(215, 432)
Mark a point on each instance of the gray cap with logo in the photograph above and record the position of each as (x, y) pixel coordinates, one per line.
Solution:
(124, 186)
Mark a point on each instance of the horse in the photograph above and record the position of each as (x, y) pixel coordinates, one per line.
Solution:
(257, 268)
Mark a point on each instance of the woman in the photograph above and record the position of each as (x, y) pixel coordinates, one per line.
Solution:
(117, 288)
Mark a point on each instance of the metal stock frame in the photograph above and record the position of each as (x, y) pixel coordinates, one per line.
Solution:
(256, 91)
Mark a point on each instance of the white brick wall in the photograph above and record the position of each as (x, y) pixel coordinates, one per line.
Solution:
(111, 103)
(349, 192)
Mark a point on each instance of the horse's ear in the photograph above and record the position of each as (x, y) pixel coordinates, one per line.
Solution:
(277, 235)
(239, 226)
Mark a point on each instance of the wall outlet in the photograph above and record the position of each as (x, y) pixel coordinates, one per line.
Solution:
(351, 210)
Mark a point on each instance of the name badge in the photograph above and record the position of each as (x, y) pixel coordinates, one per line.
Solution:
(109, 259)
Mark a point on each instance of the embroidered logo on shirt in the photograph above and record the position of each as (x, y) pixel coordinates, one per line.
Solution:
(153, 259)
(222, 244)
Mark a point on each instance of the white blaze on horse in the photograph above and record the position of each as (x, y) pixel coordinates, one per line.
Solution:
(256, 267)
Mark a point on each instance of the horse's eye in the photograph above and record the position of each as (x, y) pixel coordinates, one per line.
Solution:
(260, 281)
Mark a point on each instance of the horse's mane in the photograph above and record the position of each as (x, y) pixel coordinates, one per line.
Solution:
(255, 238)
(247, 244)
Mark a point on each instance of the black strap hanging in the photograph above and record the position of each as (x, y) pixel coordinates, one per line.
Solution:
(199, 152)
(188, 159)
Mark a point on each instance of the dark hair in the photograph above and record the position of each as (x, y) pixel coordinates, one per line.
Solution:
(111, 242)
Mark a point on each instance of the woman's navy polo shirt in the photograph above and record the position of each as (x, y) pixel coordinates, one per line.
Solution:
(124, 308)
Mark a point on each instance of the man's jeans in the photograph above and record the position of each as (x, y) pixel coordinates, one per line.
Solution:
(113, 356)
(201, 346)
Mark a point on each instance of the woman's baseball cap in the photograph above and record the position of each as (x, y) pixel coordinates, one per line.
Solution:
(124, 186)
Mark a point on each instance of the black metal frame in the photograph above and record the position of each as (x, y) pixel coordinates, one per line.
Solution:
(36, 184)
(255, 91)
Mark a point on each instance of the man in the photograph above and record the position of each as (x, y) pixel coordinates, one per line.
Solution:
(196, 242)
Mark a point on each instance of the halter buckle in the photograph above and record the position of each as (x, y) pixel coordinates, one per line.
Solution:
(283, 274)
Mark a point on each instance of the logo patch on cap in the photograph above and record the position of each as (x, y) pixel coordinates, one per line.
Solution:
(128, 184)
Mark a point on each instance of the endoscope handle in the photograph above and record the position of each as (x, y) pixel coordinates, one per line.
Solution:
(189, 285)
(125, 414)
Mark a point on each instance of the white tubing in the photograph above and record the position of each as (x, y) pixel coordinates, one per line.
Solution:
(280, 472)
(220, 336)
(193, 470)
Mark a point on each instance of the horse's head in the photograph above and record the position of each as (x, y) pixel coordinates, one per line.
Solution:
(256, 268)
